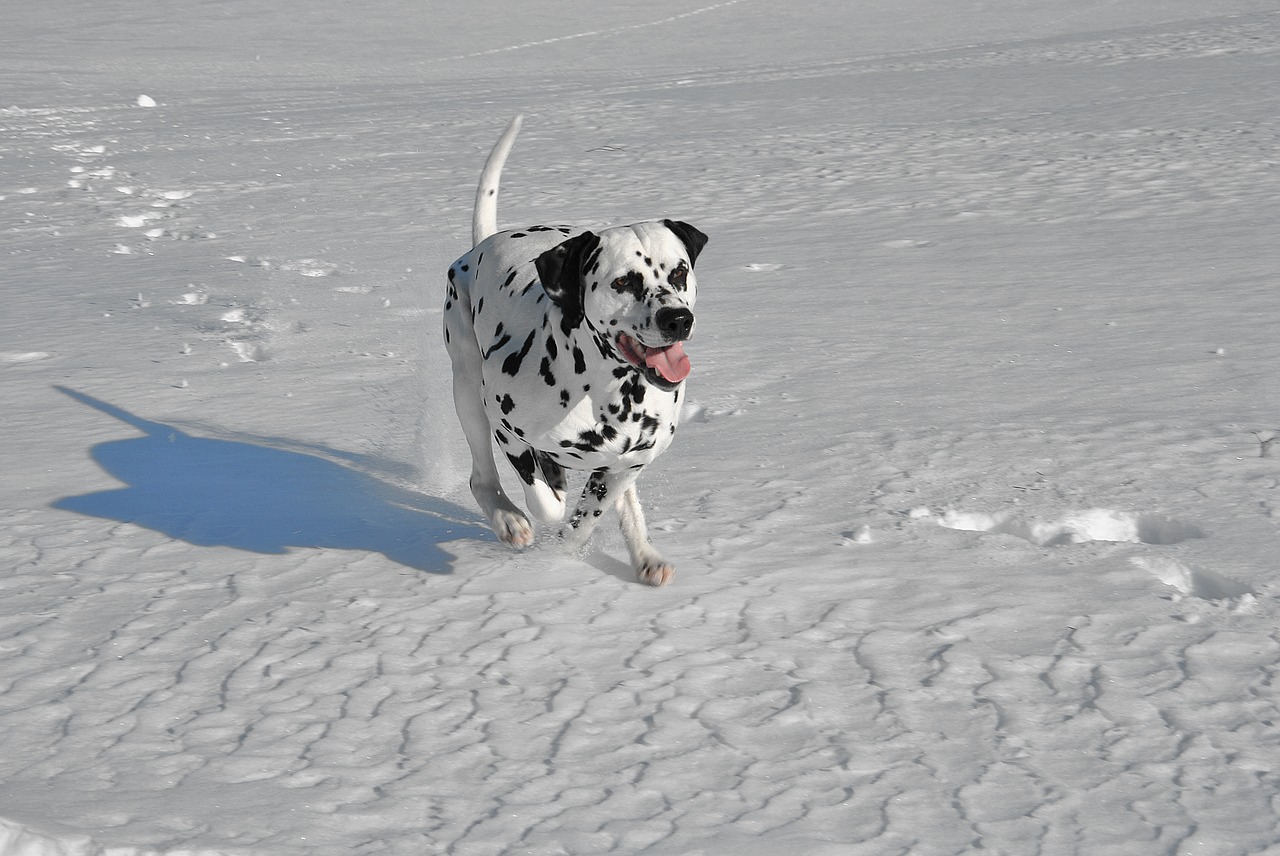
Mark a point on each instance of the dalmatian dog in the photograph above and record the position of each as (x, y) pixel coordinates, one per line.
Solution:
(567, 349)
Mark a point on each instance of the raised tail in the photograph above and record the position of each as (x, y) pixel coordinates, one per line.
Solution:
(484, 220)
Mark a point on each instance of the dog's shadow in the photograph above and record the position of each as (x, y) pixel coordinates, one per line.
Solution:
(254, 497)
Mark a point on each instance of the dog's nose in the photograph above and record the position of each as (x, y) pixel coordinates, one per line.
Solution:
(675, 323)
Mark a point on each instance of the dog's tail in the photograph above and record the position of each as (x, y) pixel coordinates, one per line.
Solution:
(484, 221)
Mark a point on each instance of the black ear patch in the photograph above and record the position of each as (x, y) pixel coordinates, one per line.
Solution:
(561, 270)
(691, 237)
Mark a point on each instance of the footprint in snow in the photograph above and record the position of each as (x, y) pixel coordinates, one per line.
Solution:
(305, 267)
(1197, 582)
(1094, 524)
(1105, 524)
(310, 267)
(15, 357)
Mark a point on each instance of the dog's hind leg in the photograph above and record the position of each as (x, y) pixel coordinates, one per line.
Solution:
(546, 495)
(542, 479)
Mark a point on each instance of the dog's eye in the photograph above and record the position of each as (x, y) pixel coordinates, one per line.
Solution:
(632, 283)
(679, 277)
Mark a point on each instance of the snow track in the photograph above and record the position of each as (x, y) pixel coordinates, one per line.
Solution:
(971, 502)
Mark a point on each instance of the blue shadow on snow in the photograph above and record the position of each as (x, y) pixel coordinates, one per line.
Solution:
(265, 500)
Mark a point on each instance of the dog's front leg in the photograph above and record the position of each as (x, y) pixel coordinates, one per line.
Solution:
(507, 521)
(618, 488)
(649, 565)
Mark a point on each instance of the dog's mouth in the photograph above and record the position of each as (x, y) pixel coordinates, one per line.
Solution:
(665, 367)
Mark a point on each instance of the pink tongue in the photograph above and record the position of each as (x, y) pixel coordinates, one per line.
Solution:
(671, 363)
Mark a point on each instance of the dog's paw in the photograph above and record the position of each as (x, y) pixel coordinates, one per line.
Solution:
(512, 528)
(655, 572)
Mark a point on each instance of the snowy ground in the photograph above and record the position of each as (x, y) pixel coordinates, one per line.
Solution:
(976, 542)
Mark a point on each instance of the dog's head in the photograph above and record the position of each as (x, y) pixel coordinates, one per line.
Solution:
(634, 288)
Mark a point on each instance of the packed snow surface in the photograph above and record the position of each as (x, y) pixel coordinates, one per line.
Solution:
(974, 505)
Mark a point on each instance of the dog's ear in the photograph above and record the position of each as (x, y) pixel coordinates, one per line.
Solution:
(691, 237)
(562, 269)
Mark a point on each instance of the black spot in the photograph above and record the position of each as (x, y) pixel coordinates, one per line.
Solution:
(510, 277)
(465, 268)
(452, 273)
(518, 235)
(551, 471)
(479, 306)
(511, 365)
(564, 398)
(502, 340)
(579, 361)
(679, 278)
(631, 283)
(552, 350)
(507, 404)
(589, 441)
(524, 465)
(545, 370)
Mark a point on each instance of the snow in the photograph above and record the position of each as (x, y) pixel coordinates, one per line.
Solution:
(974, 508)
